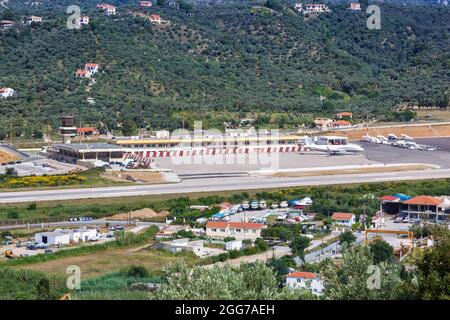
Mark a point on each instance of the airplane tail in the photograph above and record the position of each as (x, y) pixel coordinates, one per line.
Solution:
(308, 141)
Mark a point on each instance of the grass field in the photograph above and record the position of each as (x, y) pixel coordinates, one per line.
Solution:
(433, 115)
(93, 265)
(7, 157)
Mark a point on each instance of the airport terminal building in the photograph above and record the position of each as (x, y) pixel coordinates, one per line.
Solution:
(88, 152)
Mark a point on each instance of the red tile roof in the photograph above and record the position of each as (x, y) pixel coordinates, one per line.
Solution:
(84, 130)
(155, 17)
(301, 274)
(424, 200)
(341, 122)
(341, 216)
(91, 65)
(241, 225)
(388, 198)
(82, 72)
(345, 114)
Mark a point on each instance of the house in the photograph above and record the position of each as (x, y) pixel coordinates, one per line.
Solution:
(238, 230)
(80, 235)
(344, 219)
(356, 6)
(305, 280)
(344, 115)
(86, 131)
(298, 7)
(6, 92)
(316, 8)
(52, 238)
(233, 245)
(84, 20)
(6, 24)
(108, 9)
(145, 4)
(81, 73)
(155, 18)
(184, 244)
(432, 208)
(340, 124)
(322, 123)
(91, 67)
(33, 19)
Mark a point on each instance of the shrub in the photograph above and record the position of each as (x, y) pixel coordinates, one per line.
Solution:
(137, 272)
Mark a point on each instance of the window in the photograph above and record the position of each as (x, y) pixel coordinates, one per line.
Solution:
(238, 230)
(222, 230)
(214, 230)
(254, 231)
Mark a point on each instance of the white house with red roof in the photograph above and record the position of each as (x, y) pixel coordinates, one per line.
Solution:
(340, 124)
(344, 218)
(155, 18)
(108, 9)
(145, 4)
(6, 92)
(345, 114)
(356, 6)
(238, 230)
(91, 67)
(84, 20)
(305, 280)
(82, 73)
(433, 208)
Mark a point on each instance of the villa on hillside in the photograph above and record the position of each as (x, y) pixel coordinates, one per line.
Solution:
(91, 67)
(155, 18)
(84, 20)
(81, 73)
(108, 9)
(145, 3)
(6, 24)
(344, 218)
(305, 280)
(316, 8)
(6, 92)
(356, 6)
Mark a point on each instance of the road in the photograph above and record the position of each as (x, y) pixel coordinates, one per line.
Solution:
(217, 184)
(77, 224)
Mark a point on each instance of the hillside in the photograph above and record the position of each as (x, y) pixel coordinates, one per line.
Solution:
(223, 58)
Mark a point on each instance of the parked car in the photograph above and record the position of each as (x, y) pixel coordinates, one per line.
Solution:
(284, 204)
(245, 205)
(398, 220)
(406, 220)
(274, 205)
(254, 205)
(262, 204)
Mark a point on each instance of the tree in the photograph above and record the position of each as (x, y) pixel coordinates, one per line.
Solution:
(10, 171)
(244, 282)
(281, 265)
(43, 289)
(347, 238)
(434, 267)
(274, 4)
(298, 246)
(12, 214)
(261, 244)
(381, 251)
(358, 278)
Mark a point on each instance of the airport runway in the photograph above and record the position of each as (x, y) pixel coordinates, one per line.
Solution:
(217, 184)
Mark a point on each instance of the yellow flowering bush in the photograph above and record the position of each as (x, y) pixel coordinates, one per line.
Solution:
(35, 181)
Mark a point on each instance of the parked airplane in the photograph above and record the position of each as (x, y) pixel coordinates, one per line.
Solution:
(332, 145)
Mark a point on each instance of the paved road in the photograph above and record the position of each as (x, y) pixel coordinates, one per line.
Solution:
(77, 224)
(217, 184)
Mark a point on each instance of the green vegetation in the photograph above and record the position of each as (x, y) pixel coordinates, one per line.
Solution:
(347, 238)
(29, 285)
(248, 282)
(242, 59)
(88, 178)
(123, 239)
(327, 200)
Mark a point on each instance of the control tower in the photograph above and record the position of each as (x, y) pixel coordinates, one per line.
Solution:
(67, 130)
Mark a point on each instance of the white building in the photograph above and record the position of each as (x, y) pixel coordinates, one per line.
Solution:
(66, 236)
(184, 244)
(298, 7)
(233, 245)
(344, 219)
(316, 8)
(84, 20)
(355, 6)
(7, 92)
(52, 238)
(238, 230)
(33, 19)
(91, 67)
(305, 280)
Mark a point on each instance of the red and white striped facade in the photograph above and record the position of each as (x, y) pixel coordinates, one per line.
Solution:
(172, 152)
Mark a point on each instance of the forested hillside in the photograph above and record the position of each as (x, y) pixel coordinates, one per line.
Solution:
(233, 57)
